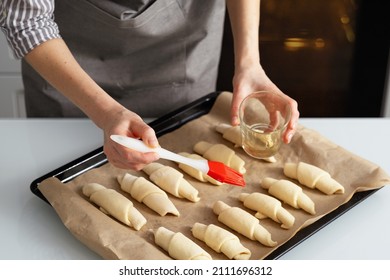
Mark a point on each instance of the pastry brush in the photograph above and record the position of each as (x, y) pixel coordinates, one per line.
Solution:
(214, 169)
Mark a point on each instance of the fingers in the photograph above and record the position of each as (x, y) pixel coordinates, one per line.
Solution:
(274, 120)
(292, 125)
(235, 107)
(292, 105)
(125, 158)
(146, 133)
(235, 120)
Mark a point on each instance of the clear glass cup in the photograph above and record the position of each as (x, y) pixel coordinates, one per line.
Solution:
(263, 119)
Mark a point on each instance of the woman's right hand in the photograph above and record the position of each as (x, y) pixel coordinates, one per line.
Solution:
(127, 123)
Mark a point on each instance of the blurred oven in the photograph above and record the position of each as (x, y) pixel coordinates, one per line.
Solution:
(329, 55)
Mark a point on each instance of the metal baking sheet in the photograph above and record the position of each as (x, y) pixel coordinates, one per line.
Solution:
(169, 123)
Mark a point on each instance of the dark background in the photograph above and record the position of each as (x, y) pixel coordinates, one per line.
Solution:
(329, 55)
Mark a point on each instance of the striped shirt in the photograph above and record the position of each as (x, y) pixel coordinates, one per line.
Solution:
(27, 24)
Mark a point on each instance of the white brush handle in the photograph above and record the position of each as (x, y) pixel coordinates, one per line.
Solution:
(140, 146)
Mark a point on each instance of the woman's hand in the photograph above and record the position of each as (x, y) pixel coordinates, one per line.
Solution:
(251, 79)
(127, 123)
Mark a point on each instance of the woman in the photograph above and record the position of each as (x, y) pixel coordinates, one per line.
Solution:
(117, 61)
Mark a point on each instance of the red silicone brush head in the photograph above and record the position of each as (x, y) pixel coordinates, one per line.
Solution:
(225, 174)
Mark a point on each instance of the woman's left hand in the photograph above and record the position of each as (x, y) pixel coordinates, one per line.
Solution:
(251, 79)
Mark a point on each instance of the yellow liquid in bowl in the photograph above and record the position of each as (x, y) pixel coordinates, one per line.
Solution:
(259, 141)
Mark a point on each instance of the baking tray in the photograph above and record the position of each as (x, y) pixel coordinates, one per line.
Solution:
(169, 123)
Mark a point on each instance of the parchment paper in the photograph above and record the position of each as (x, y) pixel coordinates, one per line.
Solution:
(113, 240)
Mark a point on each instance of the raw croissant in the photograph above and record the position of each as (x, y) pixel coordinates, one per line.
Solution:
(267, 206)
(233, 134)
(289, 193)
(195, 172)
(115, 204)
(230, 133)
(221, 153)
(148, 193)
(178, 246)
(243, 222)
(221, 240)
(313, 177)
(171, 181)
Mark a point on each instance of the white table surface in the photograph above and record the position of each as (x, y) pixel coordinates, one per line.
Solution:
(30, 228)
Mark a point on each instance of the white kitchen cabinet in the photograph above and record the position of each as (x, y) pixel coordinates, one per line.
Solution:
(11, 97)
(11, 85)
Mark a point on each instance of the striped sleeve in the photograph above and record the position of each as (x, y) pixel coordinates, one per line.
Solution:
(27, 24)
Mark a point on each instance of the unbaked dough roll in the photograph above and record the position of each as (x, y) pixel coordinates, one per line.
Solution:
(267, 206)
(221, 153)
(221, 241)
(148, 193)
(233, 134)
(178, 246)
(289, 193)
(193, 172)
(313, 177)
(115, 204)
(171, 181)
(243, 222)
(230, 133)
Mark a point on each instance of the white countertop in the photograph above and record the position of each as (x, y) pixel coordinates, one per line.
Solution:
(30, 228)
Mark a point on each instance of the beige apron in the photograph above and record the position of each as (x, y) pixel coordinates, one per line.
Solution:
(152, 56)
